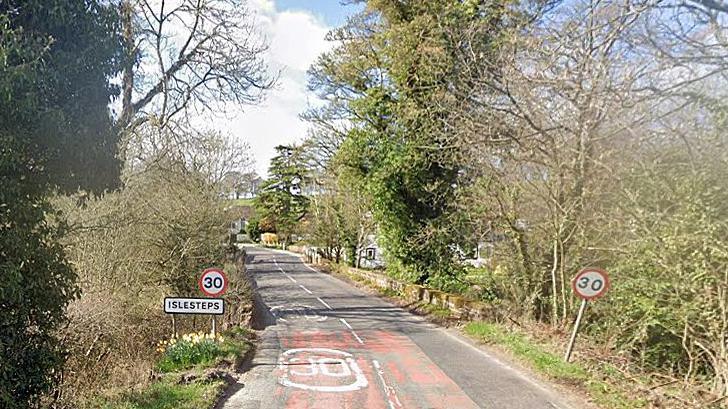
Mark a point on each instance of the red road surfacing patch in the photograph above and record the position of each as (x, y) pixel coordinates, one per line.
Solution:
(331, 369)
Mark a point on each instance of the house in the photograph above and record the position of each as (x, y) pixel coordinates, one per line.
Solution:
(371, 255)
(239, 216)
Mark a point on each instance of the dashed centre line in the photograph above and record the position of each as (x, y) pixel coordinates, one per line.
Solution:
(324, 303)
(346, 323)
(284, 273)
(352, 330)
(356, 336)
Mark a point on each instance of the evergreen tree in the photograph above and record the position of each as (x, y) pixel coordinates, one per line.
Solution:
(281, 204)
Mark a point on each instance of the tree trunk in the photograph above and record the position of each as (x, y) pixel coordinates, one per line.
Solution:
(554, 292)
(127, 81)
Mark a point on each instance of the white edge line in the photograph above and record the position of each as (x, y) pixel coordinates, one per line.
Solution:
(310, 268)
(503, 365)
(305, 289)
(324, 303)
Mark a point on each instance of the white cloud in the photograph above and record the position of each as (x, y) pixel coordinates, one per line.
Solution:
(296, 39)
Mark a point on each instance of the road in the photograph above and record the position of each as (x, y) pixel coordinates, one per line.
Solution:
(327, 344)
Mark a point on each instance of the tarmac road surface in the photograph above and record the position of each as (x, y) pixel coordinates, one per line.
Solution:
(327, 344)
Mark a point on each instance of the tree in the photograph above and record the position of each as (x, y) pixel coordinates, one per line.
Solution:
(74, 49)
(56, 59)
(391, 79)
(280, 203)
(339, 220)
(188, 54)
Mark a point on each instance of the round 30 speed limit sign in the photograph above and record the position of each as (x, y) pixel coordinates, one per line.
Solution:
(213, 282)
(591, 283)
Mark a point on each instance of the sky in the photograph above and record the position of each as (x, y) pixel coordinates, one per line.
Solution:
(295, 30)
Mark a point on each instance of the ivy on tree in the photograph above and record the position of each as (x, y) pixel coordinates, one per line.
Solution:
(55, 131)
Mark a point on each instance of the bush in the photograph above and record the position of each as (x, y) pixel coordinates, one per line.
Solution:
(253, 230)
(37, 285)
(132, 248)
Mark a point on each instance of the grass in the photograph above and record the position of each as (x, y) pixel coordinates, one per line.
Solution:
(436, 311)
(602, 385)
(387, 292)
(168, 393)
(242, 202)
(206, 354)
(543, 361)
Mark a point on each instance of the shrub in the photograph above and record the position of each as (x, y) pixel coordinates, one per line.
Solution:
(161, 229)
(37, 285)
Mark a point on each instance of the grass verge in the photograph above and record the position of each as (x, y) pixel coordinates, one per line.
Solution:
(599, 383)
(169, 392)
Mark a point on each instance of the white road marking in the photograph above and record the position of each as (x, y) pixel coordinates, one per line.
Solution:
(305, 289)
(296, 311)
(324, 303)
(391, 393)
(284, 273)
(352, 330)
(357, 337)
(320, 361)
(346, 323)
(310, 268)
(501, 364)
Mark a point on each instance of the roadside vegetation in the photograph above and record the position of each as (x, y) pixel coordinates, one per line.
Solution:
(540, 138)
(105, 212)
(192, 373)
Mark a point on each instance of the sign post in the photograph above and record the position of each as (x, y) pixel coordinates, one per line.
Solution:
(589, 284)
(213, 282)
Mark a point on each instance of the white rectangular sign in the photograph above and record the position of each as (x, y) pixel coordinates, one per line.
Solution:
(213, 306)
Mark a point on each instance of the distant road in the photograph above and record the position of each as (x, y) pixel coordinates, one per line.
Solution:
(327, 344)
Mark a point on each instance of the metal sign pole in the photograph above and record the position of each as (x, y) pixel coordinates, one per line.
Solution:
(174, 326)
(567, 357)
(214, 326)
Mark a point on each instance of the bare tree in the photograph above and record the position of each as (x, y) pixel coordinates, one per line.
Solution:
(210, 153)
(189, 54)
(551, 111)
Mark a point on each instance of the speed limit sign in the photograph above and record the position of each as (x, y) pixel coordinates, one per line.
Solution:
(213, 282)
(590, 283)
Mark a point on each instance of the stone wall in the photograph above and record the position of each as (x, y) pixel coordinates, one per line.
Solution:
(457, 304)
